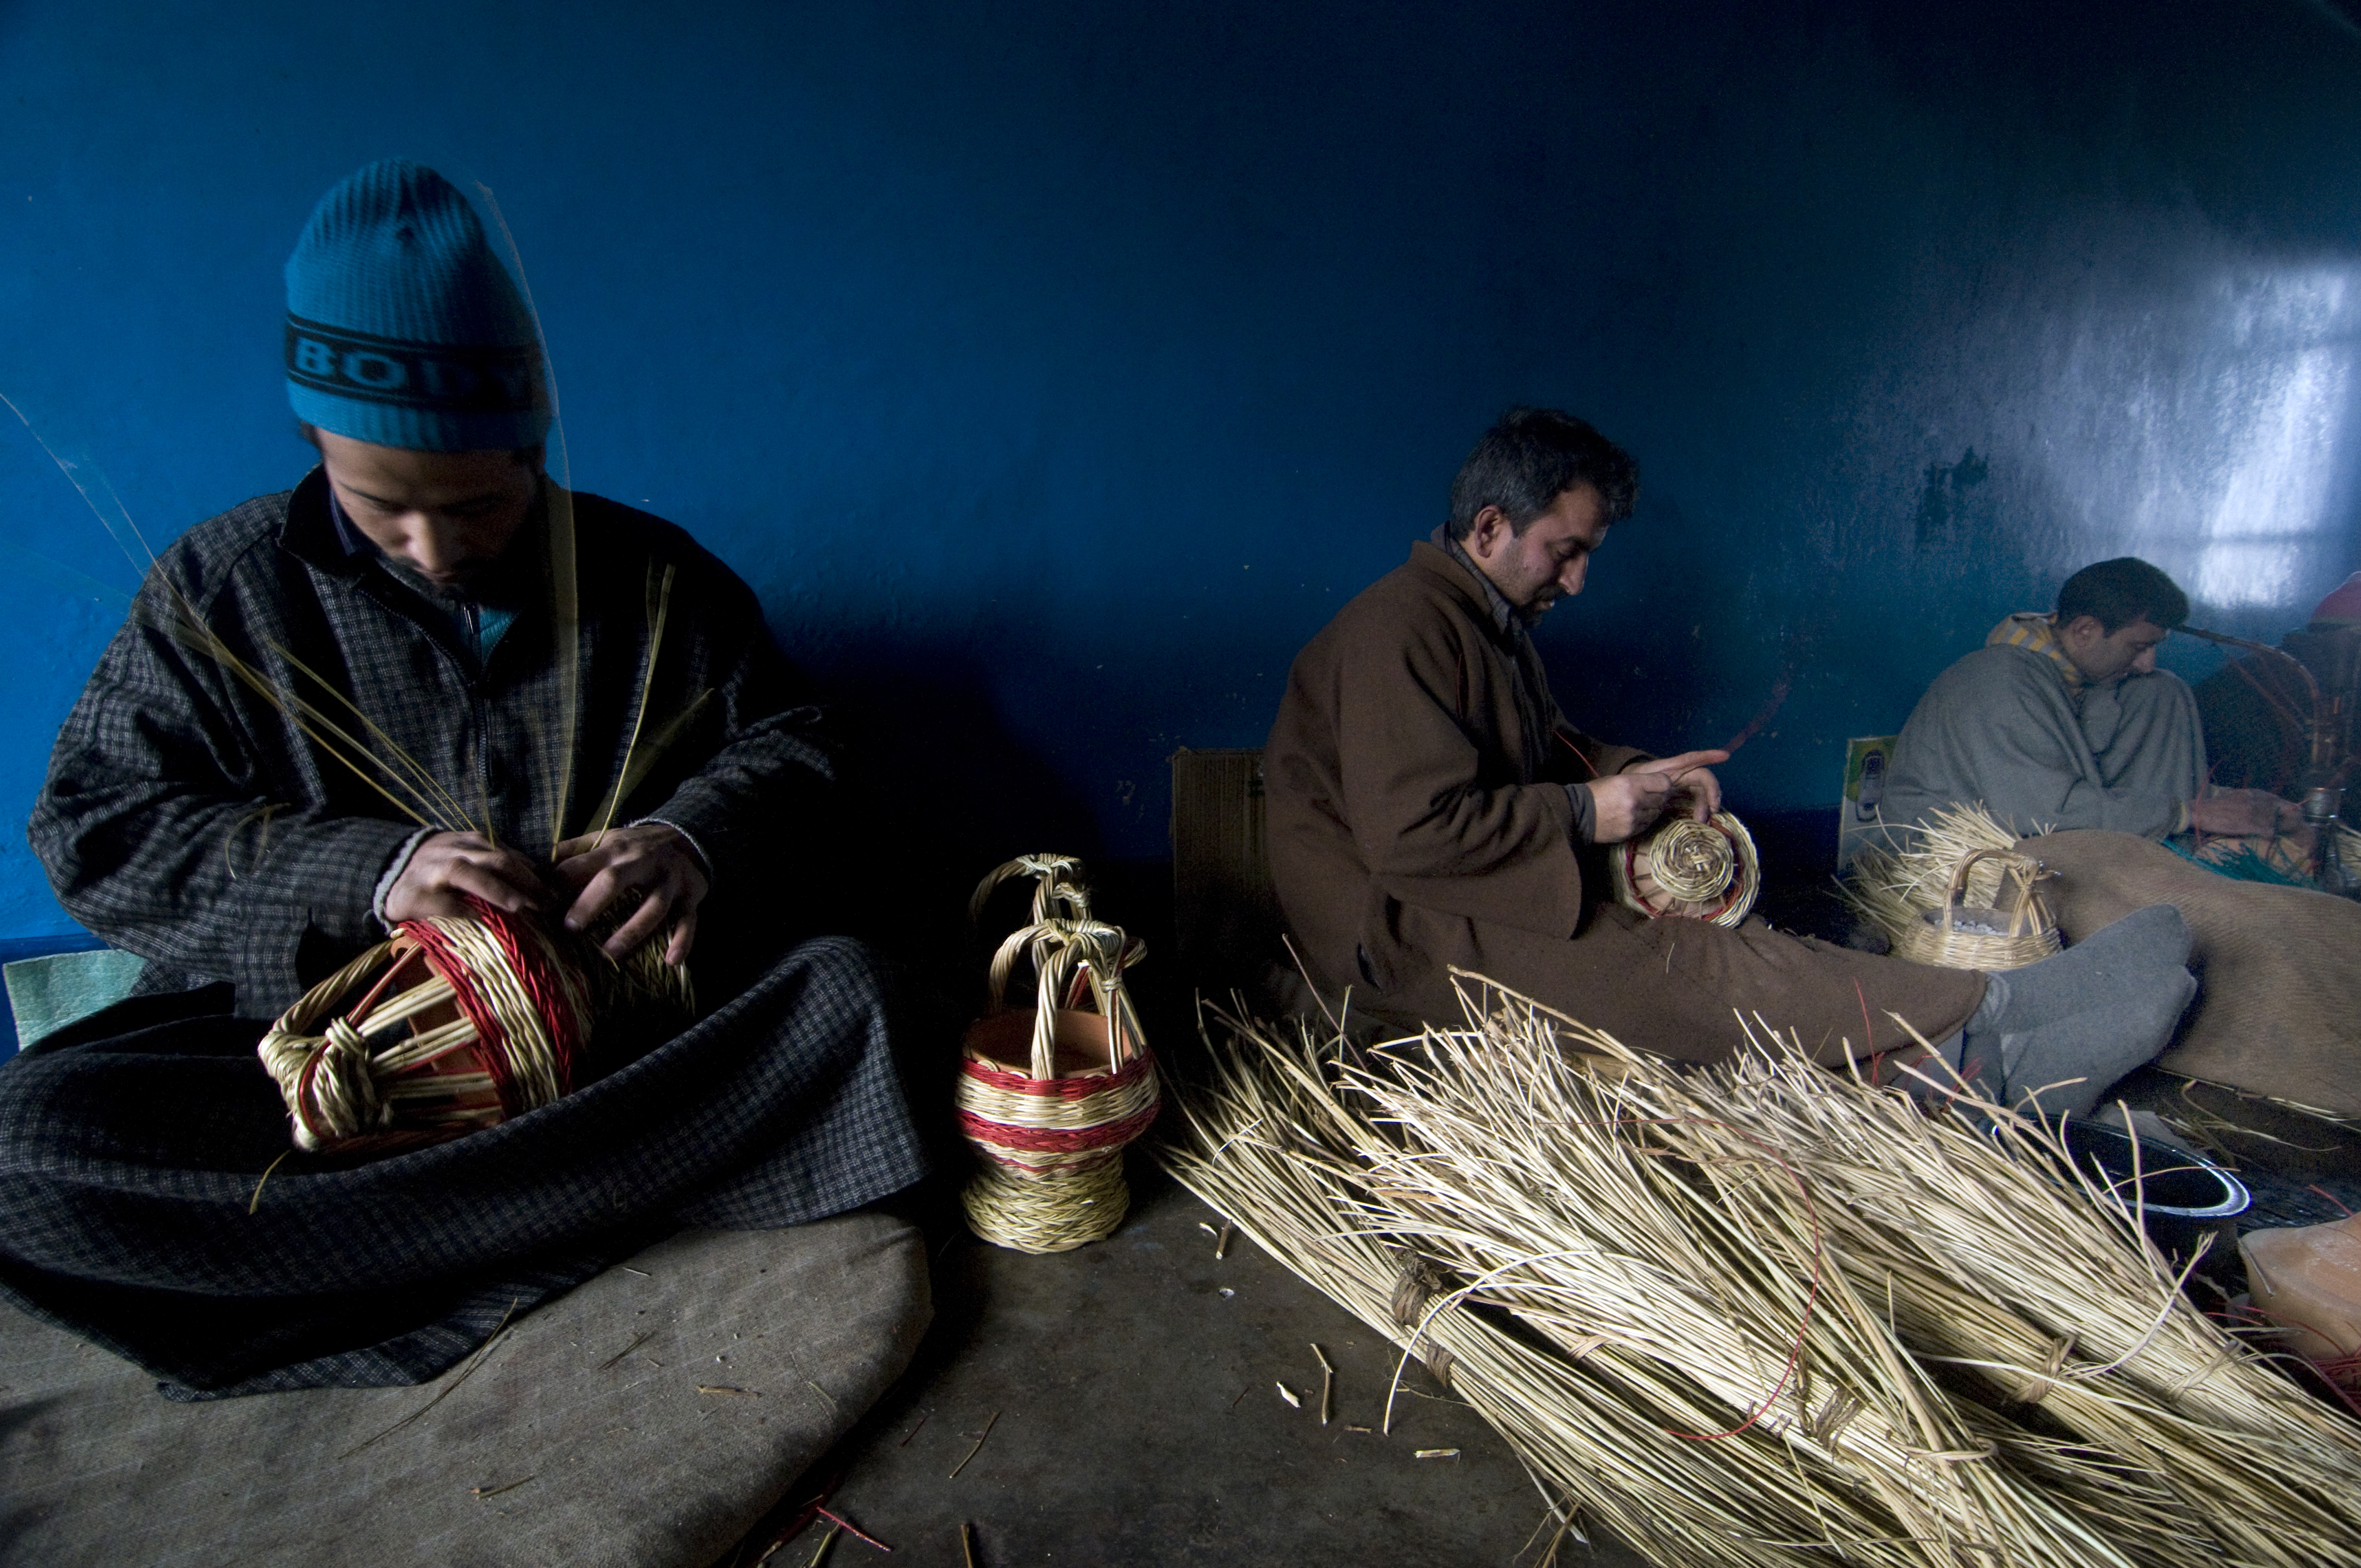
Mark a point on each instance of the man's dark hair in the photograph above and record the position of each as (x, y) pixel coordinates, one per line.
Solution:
(1531, 457)
(2118, 592)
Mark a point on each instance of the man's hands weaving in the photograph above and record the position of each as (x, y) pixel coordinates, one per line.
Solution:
(446, 866)
(651, 860)
(1631, 801)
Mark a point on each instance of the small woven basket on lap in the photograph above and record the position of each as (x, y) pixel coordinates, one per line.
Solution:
(2015, 929)
(451, 1025)
(1050, 1095)
(1706, 871)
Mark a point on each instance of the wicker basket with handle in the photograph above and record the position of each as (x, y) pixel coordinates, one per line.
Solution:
(452, 1024)
(1050, 1095)
(2017, 927)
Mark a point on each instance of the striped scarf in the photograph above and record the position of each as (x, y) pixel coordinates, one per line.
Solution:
(2032, 632)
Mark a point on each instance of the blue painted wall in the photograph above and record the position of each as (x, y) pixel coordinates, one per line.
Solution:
(1053, 371)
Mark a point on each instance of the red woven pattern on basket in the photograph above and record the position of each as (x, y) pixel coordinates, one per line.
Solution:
(1055, 1088)
(535, 966)
(534, 962)
(1055, 1140)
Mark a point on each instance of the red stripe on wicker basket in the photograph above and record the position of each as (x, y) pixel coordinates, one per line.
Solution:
(1107, 1134)
(1009, 1081)
(492, 1035)
(524, 970)
(1119, 1103)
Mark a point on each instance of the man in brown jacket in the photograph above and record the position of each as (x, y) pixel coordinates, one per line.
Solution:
(1430, 806)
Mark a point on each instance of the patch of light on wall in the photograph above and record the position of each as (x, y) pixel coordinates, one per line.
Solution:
(2285, 402)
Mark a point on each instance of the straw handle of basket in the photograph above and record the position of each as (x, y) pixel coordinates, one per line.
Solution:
(1125, 1039)
(1050, 970)
(1003, 963)
(2022, 909)
(2025, 912)
(1064, 952)
(2037, 911)
(1059, 949)
(2013, 866)
(1058, 887)
(1095, 954)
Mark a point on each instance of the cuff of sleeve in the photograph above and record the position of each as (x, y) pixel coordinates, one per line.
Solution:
(703, 859)
(2180, 818)
(394, 870)
(1584, 826)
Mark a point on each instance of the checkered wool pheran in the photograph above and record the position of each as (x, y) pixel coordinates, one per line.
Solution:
(186, 818)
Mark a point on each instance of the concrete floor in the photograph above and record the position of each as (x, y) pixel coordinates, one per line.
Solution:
(1137, 1422)
(1133, 1417)
(1132, 1412)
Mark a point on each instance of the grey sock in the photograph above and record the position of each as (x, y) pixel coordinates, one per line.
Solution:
(2093, 1012)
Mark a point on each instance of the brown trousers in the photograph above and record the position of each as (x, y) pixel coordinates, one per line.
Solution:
(1677, 988)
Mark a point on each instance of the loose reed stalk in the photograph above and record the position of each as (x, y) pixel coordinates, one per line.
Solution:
(428, 803)
(565, 584)
(2012, 1257)
(659, 607)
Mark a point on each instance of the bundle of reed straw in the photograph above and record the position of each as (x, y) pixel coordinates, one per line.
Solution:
(1768, 1314)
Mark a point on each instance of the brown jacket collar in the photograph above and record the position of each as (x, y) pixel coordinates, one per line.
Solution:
(1437, 567)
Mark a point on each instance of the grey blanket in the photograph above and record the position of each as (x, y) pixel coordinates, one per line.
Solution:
(133, 1146)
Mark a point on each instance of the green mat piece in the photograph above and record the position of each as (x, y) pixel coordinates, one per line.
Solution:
(46, 995)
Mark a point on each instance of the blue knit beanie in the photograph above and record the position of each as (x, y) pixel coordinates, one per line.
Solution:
(403, 329)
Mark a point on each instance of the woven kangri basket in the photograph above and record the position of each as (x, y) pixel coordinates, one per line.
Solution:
(1050, 1096)
(1706, 871)
(451, 1025)
(2022, 930)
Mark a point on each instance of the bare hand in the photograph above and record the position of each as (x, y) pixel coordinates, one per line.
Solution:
(446, 866)
(2244, 812)
(1631, 802)
(651, 860)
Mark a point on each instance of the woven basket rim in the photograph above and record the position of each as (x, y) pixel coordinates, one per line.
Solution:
(1018, 1023)
(1745, 881)
(1140, 1066)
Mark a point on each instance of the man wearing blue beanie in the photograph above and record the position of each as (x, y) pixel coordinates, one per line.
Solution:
(426, 676)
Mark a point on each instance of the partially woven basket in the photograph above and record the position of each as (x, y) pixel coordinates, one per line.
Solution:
(1050, 1096)
(2015, 929)
(452, 1026)
(1706, 871)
